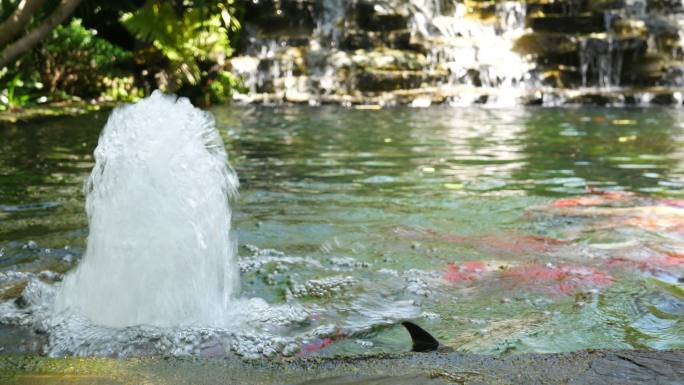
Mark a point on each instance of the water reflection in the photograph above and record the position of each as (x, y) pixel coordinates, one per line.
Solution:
(538, 151)
(631, 149)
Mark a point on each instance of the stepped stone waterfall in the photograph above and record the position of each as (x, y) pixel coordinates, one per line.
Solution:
(422, 52)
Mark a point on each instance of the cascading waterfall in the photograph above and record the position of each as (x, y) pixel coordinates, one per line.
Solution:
(328, 32)
(462, 44)
(600, 62)
(461, 52)
(159, 250)
(602, 55)
(470, 52)
(511, 16)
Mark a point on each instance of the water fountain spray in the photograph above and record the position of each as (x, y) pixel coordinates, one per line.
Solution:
(158, 203)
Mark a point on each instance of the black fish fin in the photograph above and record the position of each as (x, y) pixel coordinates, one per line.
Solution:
(422, 340)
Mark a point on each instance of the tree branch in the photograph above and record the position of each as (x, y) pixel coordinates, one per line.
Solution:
(18, 19)
(14, 50)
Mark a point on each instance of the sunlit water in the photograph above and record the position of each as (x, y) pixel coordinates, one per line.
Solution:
(477, 223)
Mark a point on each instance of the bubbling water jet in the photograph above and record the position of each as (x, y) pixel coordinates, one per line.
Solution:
(158, 203)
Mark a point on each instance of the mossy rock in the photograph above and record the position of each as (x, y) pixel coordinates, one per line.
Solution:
(389, 59)
(360, 39)
(668, 98)
(539, 43)
(574, 24)
(12, 291)
(382, 80)
(596, 99)
(561, 76)
(630, 27)
(644, 70)
(604, 5)
(278, 19)
(548, 7)
(375, 16)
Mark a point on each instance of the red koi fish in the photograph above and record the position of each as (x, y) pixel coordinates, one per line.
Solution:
(504, 244)
(558, 279)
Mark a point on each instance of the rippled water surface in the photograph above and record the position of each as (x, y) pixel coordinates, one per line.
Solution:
(499, 230)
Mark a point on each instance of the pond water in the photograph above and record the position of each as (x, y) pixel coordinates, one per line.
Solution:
(500, 231)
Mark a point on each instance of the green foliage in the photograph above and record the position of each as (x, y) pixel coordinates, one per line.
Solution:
(18, 89)
(74, 61)
(11, 98)
(121, 88)
(7, 7)
(193, 41)
(221, 88)
(181, 46)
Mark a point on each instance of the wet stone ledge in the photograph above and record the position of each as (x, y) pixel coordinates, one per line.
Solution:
(619, 367)
(465, 95)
